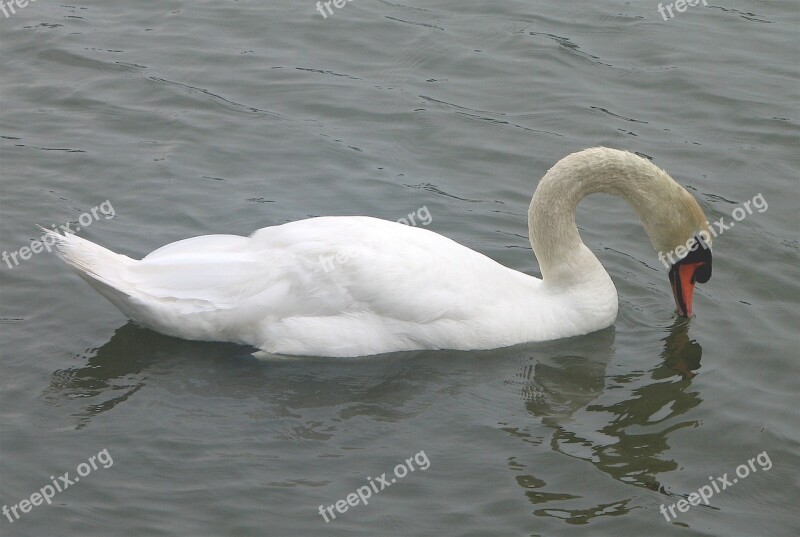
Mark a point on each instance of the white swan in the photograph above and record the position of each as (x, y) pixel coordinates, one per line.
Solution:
(352, 286)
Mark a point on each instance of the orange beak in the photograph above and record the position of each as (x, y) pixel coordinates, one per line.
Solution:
(682, 279)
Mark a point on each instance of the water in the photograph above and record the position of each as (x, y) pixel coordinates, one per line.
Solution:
(223, 117)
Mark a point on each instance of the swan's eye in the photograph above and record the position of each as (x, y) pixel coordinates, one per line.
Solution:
(703, 273)
(700, 256)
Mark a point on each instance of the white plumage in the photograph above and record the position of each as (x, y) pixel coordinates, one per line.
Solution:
(350, 286)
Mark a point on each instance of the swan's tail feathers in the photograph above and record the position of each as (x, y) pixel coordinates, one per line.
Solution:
(99, 267)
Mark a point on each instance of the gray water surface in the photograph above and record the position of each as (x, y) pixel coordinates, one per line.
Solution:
(225, 116)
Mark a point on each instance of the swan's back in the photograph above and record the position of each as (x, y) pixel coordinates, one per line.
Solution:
(337, 286)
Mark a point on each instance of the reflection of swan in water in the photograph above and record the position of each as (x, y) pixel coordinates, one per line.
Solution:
(136, 357)
(680, 353)
(619, 423)
(582, 414)
(118, 369)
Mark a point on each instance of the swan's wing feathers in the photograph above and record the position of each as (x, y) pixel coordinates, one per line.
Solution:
(213, 244)
(375, 283)
(221, 282)
(359, 265)
(211, 272)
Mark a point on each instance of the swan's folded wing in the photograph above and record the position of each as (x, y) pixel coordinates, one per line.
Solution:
(221, 282)
(361, 265)
(212, 272)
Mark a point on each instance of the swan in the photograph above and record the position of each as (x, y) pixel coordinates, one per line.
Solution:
(345, 286)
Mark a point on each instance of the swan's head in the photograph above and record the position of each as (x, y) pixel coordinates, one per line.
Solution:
(685, 248)
(672, 218)
(694, 268)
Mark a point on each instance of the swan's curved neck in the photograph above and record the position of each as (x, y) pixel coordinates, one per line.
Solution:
(654, 195)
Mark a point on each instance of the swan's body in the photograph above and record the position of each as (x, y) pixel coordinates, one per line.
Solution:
(350, 286)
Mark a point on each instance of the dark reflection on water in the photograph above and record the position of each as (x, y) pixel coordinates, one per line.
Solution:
(581, 412)
(625, 446)
(680, 354)
(116, 371)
